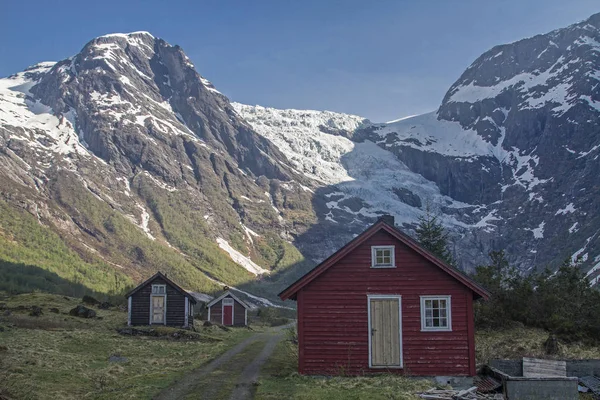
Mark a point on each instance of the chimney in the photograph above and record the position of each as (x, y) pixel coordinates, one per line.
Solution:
(388, 219)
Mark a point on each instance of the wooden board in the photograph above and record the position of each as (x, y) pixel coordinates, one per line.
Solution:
(536, 368)
(385, 343)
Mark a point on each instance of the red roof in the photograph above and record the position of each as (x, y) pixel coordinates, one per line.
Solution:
(292, 290)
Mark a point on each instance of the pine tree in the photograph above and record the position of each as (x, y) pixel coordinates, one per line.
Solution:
(432, 236)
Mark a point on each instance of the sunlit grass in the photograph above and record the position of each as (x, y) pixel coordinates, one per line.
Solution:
(62, 357)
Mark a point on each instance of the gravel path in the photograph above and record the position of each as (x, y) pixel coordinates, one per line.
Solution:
(244, 389)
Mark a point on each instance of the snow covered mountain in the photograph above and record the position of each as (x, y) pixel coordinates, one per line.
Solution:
(509, 160)
(133, 162)
(137, 163)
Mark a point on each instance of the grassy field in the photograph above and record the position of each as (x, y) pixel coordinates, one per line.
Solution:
(526, 342)
(279, 380)
(63, 357)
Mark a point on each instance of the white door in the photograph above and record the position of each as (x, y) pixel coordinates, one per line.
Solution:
(385, 335)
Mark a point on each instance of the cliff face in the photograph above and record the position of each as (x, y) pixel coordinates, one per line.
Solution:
(511, 155)
(133, 163)
(137, 161)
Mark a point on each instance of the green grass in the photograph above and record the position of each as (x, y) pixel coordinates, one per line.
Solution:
(23, 241)
(526, 342)
(279, 380)
(62, 357)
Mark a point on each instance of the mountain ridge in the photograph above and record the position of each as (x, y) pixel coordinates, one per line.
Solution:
(137, 162)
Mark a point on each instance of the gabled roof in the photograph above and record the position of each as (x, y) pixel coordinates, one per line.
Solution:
(292, 290)
(227, 293)
(170, 282)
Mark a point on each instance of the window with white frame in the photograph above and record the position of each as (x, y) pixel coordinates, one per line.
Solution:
(436, 313)
(382, 257)
(159, 289)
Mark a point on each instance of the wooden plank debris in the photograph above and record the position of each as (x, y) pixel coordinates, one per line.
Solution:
(592, 383)
(486, 384)
(467, 394)
(537, 368)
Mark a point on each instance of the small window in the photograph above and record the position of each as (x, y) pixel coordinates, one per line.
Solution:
(159, 289)
(228, 301)
(382, 257)
(436, 313)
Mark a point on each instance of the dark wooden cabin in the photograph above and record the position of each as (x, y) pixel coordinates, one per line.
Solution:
(382, 303)
(228, 310)
(159, 301)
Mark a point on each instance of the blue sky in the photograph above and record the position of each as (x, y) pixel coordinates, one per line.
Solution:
(375, 58)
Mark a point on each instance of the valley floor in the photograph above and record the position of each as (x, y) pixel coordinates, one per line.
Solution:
(59, 356)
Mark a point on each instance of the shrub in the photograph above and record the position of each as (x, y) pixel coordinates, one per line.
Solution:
(561, 302)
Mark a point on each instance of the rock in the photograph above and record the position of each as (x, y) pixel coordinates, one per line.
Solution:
(207, 323)
(54, 310)
(551, 345)
(7, 313)
(90, 300)
(137, 332)
(36, 311)
(2, 306)
(82, 312)
(3, 348)
(407, 197)
(1, 329)
(105, 305)
(117, 358)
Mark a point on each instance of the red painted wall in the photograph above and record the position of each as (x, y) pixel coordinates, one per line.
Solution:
(333, 317)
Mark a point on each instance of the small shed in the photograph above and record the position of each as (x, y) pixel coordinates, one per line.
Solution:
(382, 303)
(228, 310)
(159, 301)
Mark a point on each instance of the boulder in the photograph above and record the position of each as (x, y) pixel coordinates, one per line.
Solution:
(35, 311)
(82, 312)
(90, 300)
(54, 310)
(105, 305)
(207, 323)
(117, 358)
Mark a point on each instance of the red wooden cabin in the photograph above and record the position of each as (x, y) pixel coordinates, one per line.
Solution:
(228, 310)
(382, 303)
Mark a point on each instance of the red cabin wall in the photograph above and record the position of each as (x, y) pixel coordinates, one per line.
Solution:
(239, 313)
(333, 317)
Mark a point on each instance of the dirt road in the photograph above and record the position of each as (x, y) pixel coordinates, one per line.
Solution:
(230, 376)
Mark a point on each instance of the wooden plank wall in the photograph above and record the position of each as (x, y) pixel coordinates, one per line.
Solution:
(140, 305)
(537, 368)
(333, 309)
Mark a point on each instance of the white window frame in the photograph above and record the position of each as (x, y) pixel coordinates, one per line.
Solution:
(385, 297)
(159, 286)
(374, 256)
(447, 328)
